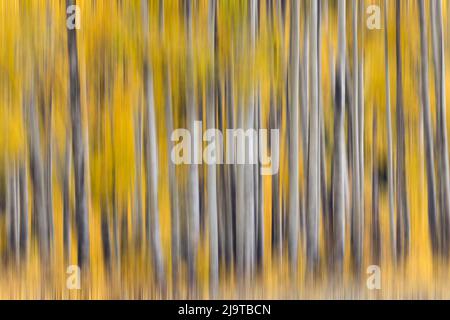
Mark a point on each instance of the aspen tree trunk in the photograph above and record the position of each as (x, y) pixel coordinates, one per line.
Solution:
(439, 145)
(152, 207)
(137, 218)
(174, 200)
(66, 200)
(230, 178)
(304, 102)
(106, 239)
(389, 133)
(211, 168)
(12, 214)
(356, 237)
(403, 230)
(37, 179)
(193, 184)
(23, 185)
(339, 153)
(49, 170)
(361, 125)
(376, 235)
(326, 213)
(250, 152)
(293, 136)
(81, 210)
(275, 124)
(313, 206)
(240, 199)
(429, 144)
(151, 159)
(304, 86)
(276, 212)
(443, 126)
(260, 193)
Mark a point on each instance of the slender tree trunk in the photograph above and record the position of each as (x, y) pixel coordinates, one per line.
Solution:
(193, 184)
(230, 187)
(49, 170)
(240, 201)
(66, 201)
(326, 213)
(81, 210)
(439, 145)
(106, 238)
(293, 136)
(403, 229)
(361, 101)
(211, 168)
(356, 236)
(12, 214)
(137, 219)
(376, 235)
(339, 153)
(174, 200)
(429, 144)
(151, 159)
(313, 175)
(152, 207)
(443, 126)
(277, 233)
(37, 179)
(23, 184)
(389, 133)
(260, 197)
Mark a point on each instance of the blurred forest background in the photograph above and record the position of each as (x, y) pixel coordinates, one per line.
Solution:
(86, 178)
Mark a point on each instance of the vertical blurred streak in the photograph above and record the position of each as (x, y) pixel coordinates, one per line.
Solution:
(193, 188)
(12, 213)
(151, 155)
(137, 218)
(327, 221)
(376, 234)
(249, 255)
(230, 175)
(313, 173)
(81, 210)
(211, 168)
(66, 199)
(37, 179)
(429, 144)
(173, 185)
(276, 212)
(293, 77)
(16, 214)
(48, 172)
(106, 238)
(361, 100)
(275, 124)
(356, 194)
(23, 190)
(403, 222)
(439, 145)
(240, 201)
(259, 199)
(389, 133)
(49, 128)
(443, 126)
(304, 96)
(339, 151)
